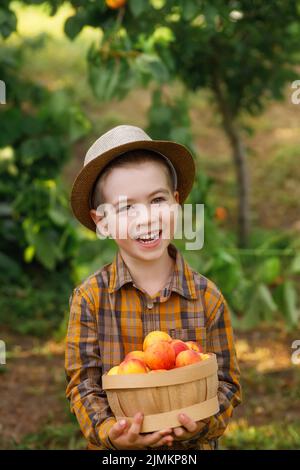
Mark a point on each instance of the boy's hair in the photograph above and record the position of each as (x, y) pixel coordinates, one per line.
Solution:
(131, 157)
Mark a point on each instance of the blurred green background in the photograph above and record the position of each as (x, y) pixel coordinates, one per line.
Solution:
(215, 76)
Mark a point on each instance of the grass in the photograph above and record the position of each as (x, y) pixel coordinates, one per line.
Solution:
(55, 437)
(272, 436)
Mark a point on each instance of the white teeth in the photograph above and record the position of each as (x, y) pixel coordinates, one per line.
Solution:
(148, 237)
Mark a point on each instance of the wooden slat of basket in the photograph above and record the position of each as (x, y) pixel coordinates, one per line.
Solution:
(212, 386)
(159, 400)
(114, 404)
(158, 421)
(170, 377)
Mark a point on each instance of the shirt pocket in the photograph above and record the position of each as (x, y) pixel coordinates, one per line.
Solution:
(197, 333)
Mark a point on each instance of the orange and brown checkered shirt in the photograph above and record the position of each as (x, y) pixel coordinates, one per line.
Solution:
(110, 316)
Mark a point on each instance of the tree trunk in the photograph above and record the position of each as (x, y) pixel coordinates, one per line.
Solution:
(240, 163)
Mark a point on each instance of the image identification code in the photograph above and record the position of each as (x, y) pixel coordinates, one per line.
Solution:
(151, 459)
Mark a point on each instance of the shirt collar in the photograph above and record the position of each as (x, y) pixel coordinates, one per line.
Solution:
(182, 280)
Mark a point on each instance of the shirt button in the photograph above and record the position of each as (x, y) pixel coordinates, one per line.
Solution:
(149, 304)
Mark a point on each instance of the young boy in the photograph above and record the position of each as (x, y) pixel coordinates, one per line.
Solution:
(148, 286)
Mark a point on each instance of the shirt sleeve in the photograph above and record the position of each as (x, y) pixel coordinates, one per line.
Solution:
(83, 368)
(220, 340)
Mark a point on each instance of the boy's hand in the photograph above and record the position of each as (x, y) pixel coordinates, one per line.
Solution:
(189, 428)
(129, 437)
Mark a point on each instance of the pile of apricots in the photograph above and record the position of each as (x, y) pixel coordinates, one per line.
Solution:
(160, 353)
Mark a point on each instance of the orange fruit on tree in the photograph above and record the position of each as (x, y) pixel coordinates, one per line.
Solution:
(221, 214)
(115, 4)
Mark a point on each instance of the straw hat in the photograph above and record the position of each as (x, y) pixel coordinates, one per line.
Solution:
(115, 142)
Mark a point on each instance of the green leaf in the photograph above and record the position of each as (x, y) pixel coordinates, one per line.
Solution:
(98, 78)
(45, 244)
(8, 22)
(189, 9)
(9, 269)
(74, 24)
(265, 296)
(269, 270)
(290, 303)
(151, 66)
(79, 125)
(58, 216)
(251, 318)
(227, 257)
(295, 265)
(47, 250)
(29, 253)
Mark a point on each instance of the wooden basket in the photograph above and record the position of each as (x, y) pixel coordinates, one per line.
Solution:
(162, 396)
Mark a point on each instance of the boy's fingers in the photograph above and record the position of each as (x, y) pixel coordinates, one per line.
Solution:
(117, 429)
(162, 442)
(157, 438)
(178, 431)
(135, 427)
(187, 422)
(163, 432)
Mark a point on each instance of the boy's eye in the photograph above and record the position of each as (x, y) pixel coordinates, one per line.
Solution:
(124, 208)
(158, 199)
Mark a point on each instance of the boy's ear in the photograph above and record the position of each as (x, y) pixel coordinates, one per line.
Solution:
(100, 222)
(176, 196)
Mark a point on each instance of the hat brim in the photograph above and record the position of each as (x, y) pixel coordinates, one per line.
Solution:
(179, 155)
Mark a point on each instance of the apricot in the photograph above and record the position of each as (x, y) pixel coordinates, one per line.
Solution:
(194, 346)
(132, 366)
(157, 370)
(178, 346)
(136, 354)
(154, 337)
(204, 356)
(188, 357)
(160, 355)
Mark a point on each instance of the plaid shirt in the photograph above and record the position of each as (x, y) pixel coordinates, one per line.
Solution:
(110, 316)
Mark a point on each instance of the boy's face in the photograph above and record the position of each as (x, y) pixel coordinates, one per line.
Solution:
(139, 201)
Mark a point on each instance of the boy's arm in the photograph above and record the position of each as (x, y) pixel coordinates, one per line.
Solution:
(83, 367)
(220, 340)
